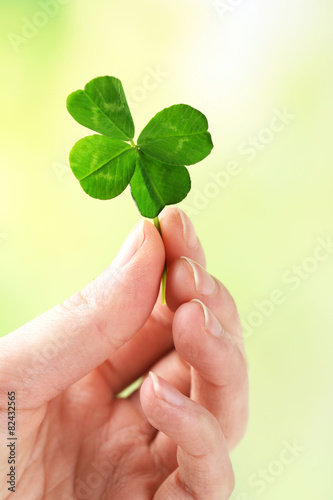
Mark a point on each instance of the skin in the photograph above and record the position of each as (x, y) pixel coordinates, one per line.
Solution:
(76, 439)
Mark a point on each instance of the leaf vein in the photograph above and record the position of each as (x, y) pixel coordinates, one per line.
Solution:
(104, 164)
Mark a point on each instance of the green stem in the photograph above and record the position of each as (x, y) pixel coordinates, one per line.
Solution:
(157, 225)
(164, 275)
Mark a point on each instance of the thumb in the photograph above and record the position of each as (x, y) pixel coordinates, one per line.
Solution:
(58, 348)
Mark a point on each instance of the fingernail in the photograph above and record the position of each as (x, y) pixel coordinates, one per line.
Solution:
(189, 234)
(131, 245)
(204, 282)
(212, 324)
(166, 392)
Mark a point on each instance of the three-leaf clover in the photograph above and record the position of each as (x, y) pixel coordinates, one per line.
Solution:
(154, 167)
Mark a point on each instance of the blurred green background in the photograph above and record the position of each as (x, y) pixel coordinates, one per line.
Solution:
(262, 72)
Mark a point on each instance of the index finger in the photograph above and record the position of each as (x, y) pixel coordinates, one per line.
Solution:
(154, 340)
(179, 237)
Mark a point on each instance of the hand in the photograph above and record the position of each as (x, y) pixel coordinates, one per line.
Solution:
(169, 440)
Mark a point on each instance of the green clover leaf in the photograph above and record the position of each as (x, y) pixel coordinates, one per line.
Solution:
(177, 135)
(155, 185)
(102, 107)
(106, 164)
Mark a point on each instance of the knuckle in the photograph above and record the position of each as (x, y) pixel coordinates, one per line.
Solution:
(80, 308)
(210, 433)
(84, 311)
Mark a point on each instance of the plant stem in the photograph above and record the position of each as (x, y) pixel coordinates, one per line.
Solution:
(157, 225)
(164, 275)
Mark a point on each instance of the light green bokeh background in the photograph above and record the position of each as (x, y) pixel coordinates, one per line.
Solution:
(238, 67)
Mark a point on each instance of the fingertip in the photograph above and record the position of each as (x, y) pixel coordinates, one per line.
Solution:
(186, 315)
(150, 257)
(179, 236)
(153, 237)
(180, 285)
(146, 388)
(147, 395)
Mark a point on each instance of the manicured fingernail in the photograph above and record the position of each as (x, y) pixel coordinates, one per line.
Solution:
(131, 245)
(212, 324)
(204, 282)
(166, 392)
(190, 236)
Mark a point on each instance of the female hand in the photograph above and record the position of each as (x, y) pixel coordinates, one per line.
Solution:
(169, 440)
